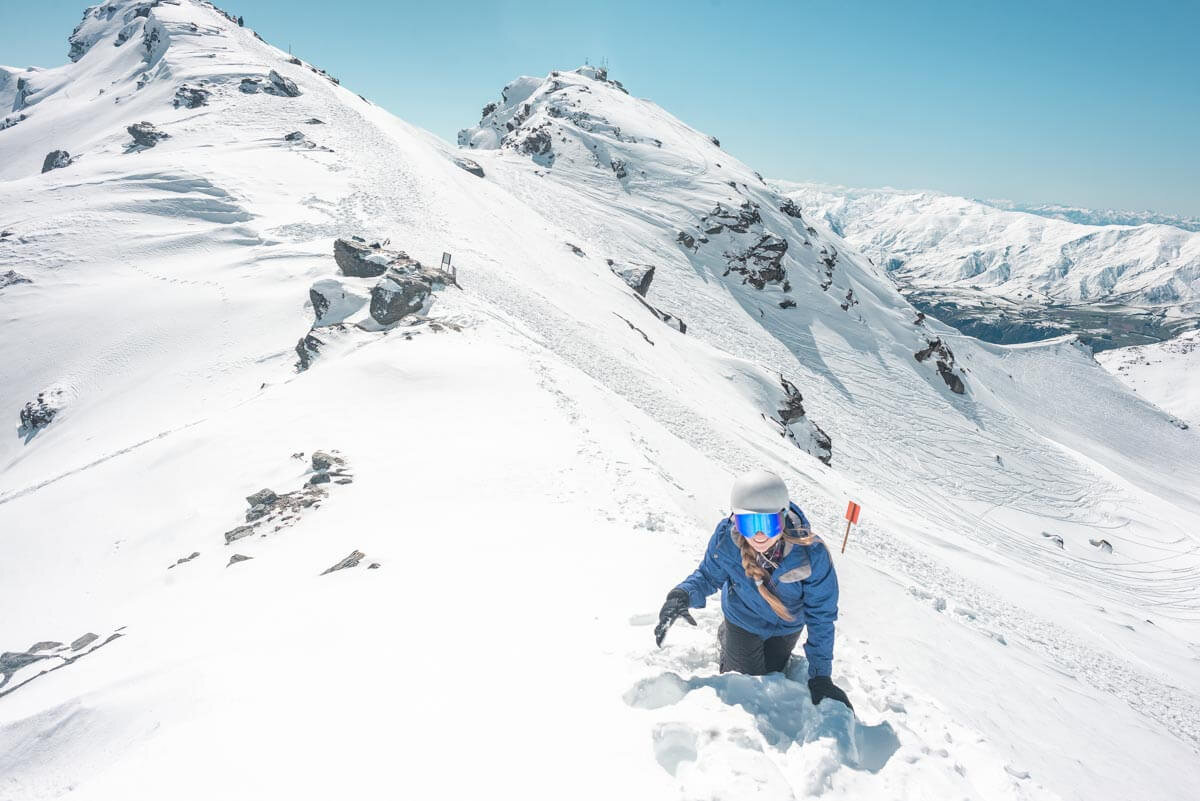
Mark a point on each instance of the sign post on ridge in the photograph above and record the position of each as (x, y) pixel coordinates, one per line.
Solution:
(446, 268)
(851, 518)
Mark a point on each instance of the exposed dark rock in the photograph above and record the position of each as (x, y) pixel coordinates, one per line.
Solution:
(618, 167)
(824, 444)
(470, 166)
(279, 85)
(793, 402)
(669, 319)
(762, 262)
(294, 136)
(237, 557)
(238, 533)
(319, 478)
(945, 363)
(84, 641)
(635, 328)
(920, 318)
(849, 301)
(55, 160)
(637, 276)
(190, 97)
(790, 208)
(350, 561)
(686, 239)
(735, 219)
(397, 296)
(323, 461)
(183, 560)
(12, 278)
(257, 511)
(787, 303)
(373, 566)
(715, 140)
(538, 143)
(146, 135)
(578, 251)
(488, 109)
(306, 349)
(356, 258)
(263, 496)
(38, 413)
(1103, 545)
(320, 303)
(1057, 540)
(314, 121)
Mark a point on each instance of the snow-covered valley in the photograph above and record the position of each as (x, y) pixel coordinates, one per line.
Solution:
(1011, 275)
(526, 451)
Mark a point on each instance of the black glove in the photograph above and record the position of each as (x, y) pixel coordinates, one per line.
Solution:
(676, 607)
(823, 687)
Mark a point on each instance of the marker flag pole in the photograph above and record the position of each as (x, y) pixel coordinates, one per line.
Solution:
(852, 512)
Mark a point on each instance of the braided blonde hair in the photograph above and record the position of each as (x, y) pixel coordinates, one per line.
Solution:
(758, 574)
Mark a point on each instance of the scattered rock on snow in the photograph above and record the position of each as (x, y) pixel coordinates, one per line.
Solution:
(263, 496)
(237, 557)
(238, 533)
(38, 413)
(190, 97)
(1057, 540)
(184, 559)
(146, 135)
(1103, 545)
(294, 136)
(945, 363)
(350, 561)
(398, 295)
(12, 278)
(358, 259)
(323, 461)
(314, 121)
(56, 160)
(578, 251)
(84, 641)
(790, 208)
(637, 276)
(279, 85)
(470, 166)
(669, 319)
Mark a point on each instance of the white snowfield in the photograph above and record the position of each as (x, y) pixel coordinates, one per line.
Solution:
(1165, 373)
(527, 466)
(935, 241)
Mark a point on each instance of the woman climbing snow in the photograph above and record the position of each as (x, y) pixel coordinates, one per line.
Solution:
(776, 577)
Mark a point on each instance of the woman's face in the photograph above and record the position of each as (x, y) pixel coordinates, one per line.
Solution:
(761, 542)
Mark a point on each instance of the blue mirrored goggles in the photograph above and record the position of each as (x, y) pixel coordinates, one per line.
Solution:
(750, 524)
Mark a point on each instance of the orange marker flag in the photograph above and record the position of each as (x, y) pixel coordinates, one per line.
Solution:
(852, 512)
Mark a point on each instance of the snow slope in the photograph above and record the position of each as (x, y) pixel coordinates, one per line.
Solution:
(935, 241)
(533, 462)
(1166, 373)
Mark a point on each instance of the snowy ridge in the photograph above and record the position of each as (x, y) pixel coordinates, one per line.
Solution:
(526, 465)
(1084, 216)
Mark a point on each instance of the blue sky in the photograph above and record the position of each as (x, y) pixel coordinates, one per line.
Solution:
(1089, 103)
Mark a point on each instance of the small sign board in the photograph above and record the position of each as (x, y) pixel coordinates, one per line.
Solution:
(852, 512)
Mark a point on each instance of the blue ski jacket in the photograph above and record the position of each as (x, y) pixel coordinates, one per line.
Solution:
(805, 582)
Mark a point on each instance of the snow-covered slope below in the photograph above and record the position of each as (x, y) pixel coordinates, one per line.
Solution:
(518, 470)
(1165, 373)
(954, 254)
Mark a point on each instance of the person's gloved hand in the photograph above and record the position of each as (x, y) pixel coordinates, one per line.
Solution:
(675, 607)
(823, 687)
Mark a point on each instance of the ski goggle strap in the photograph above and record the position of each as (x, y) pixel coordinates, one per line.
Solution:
(750, 524)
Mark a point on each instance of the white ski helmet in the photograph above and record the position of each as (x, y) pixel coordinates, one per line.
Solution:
(759, 492)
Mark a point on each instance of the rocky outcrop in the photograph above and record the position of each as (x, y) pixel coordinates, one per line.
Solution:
(40, 412)
(398, 295)
(724, 217)
(350, 561)
(11, 278)
(762, 262)
(356, 258)
(470, 165)
(56, 160)
(273, 84)
(1103, 545)
(637, 276)
(829, 257)
(537, 143)
(669, 319)
(789, 207)
(145, 135)
(190, 97)
(944, 359)
(793, 423)
(849, 301)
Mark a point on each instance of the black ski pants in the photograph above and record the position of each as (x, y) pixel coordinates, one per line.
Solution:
(745, 652)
